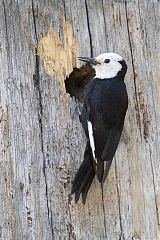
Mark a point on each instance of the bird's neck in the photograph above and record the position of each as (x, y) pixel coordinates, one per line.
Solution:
(119, 77)
(103, 73)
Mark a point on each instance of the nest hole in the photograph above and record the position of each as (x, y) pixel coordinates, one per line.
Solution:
(77, 80)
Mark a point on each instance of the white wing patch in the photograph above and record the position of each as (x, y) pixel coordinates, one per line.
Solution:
(91, 139)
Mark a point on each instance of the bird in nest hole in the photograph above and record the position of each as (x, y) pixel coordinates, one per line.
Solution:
(102, 118)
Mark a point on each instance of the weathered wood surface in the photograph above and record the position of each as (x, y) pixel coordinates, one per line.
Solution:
(41, 146)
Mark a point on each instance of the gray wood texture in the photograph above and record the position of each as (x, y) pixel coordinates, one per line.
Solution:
(41, 144)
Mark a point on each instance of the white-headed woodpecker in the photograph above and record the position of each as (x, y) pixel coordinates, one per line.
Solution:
(102, 118)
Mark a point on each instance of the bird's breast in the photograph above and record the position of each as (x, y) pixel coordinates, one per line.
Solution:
(106, 92)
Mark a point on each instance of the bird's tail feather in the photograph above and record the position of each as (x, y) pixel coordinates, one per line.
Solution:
(102, 169)
(84, 176)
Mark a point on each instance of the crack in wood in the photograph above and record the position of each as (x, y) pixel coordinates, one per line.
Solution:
(146, 118)
(105, 27)
(70, 227)
(89, 30)
(104, 213)
(6, 30)
(154, 187)
(64, 9)
(134, 74)
(51, 222)
(119, 204)
(70, 230)
(36, 79)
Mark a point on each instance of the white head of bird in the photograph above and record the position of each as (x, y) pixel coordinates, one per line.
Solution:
(106, 65)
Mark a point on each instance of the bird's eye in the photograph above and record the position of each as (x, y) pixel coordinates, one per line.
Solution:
(107, 60)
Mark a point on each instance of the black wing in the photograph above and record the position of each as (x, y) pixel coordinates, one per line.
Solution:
(105, 107)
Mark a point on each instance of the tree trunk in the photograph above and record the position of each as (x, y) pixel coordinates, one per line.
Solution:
(42, 141)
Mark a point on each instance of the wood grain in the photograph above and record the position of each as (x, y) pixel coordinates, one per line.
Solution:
(42, 142)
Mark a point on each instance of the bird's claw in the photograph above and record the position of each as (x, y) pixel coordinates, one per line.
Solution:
(77, 110)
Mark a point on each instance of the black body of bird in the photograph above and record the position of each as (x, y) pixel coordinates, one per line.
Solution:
(102, 118)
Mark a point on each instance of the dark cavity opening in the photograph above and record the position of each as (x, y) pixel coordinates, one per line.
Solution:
(77, 81)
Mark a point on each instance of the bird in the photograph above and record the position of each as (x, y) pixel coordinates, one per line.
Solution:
(102, 118)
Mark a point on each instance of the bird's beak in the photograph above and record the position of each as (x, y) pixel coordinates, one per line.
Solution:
(89, 60)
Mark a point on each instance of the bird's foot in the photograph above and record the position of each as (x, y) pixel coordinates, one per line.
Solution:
(76, 107)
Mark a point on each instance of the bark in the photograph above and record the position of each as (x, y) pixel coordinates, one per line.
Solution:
(42, 142)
